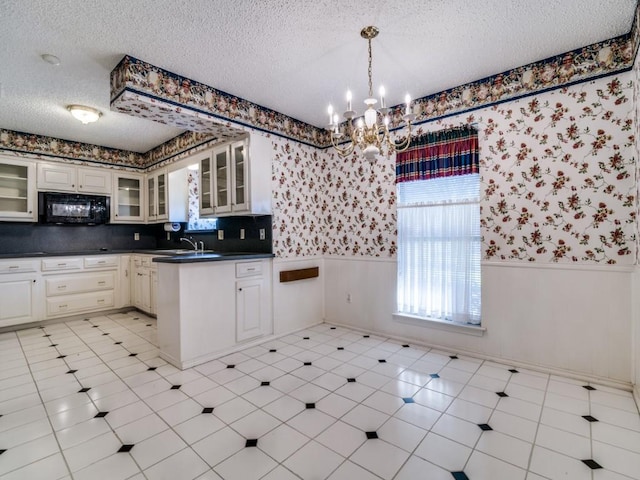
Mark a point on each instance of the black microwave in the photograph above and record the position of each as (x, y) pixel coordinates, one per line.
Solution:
(72, 208)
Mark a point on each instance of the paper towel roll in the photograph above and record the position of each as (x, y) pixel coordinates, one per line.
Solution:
(171, 227)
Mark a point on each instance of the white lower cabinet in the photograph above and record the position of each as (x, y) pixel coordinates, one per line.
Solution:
(18, 299)
(207, 309)
(79, 284)
(144, 283)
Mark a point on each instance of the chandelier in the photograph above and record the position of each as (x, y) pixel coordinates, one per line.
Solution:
(369, 133)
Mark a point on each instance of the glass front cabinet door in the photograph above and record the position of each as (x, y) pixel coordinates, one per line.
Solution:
(17, 190)
(127, 201)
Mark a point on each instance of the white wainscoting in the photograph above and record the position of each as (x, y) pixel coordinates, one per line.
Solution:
(636, 335)
(298, 304)
(574, 320)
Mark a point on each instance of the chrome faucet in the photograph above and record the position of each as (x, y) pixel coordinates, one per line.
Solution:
(191, 242)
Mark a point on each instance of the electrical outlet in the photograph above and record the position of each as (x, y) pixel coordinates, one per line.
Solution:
(220, 234)
(262, 234)
(136, 236)
(242, 234)
(348, 298)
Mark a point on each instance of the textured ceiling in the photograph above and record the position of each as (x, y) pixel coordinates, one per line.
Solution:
(294, 56)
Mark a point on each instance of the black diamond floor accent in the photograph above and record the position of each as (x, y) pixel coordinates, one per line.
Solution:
(307, 364)
(513, 370)
(42, 328)
(125, 448)
(365, 336)
(408, 400)
(405, 346)
(86, 320)
(460, 476)
(589, 418)
(133, 354)
(273, 350)
(136, 318)
(340, 348)
(382, 360)
(264, 384)
(151, 369)
(207, 410)
(84, 389)
(588, 387)
(105, 334)
(61, 356)
(485, 427)
(2, 451)
(453, 357)
(117, 343)
(53, 345)
(231, 366)
(351, 380)
(149, 325)
(310, 405)
(95, 326)
(371, 435)
(101, 414)
(252, 442)
(332, 328)
(305, 338)
(434, 375)
(592, 464)
(175, 387)
(501, 394)
(72, 371)
(47, 335)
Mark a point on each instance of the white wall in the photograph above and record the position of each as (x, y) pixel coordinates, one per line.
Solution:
(635, 332)
(297, 304)
(566, 318)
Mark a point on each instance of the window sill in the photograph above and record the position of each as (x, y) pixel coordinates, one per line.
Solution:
(476, 331)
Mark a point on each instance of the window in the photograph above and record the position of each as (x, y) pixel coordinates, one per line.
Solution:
(438, 187)
(439, 248)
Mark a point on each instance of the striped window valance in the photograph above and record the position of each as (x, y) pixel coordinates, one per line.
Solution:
(439, 154)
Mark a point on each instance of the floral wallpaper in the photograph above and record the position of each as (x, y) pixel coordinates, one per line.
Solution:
(299, 199)
(558, 181)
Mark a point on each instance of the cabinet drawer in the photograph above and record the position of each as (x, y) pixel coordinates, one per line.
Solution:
(53, 264)
(248, 269)
(101, 261)
(19, 266)
(79, 283)
(80, 303)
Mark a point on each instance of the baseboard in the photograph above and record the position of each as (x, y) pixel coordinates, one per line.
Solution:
(608, 382)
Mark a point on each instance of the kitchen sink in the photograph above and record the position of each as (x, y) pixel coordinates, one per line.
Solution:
(183, 251)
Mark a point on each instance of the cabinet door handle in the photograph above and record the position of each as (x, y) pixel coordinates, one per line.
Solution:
(102, 261)
(239, 289)
(13, 267)
(102, 282)
(62, 264)
(61, 287)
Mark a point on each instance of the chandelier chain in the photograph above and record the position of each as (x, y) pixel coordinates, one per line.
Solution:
(370, 71)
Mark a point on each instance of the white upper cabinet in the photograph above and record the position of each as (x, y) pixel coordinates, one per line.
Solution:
(157, 196)
(70, 178)
(17, 190)
(235, 179)
(127, 202)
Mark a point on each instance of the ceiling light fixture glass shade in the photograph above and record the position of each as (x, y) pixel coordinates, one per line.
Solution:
(84, 114)
(369, 133)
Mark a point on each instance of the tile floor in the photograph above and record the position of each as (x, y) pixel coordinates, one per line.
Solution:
(90, 399)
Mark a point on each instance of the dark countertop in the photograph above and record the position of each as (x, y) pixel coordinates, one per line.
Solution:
(211, 257)
(168, 255)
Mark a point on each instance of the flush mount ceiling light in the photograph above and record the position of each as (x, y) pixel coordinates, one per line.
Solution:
(84, 114)
(370, 135)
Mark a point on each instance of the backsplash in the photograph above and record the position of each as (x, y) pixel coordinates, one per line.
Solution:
(30, 237)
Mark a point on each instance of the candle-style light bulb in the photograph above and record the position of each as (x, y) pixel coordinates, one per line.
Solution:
(330, 110)
(382, 92)
(336, 122)
(407, 100)
(349, 100)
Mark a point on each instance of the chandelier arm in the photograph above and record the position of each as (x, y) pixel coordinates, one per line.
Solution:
(401, 147)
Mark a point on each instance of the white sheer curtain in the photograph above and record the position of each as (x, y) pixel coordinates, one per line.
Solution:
(439, 248)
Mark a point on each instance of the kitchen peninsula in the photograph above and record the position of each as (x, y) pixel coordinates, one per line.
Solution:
(211, 304)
